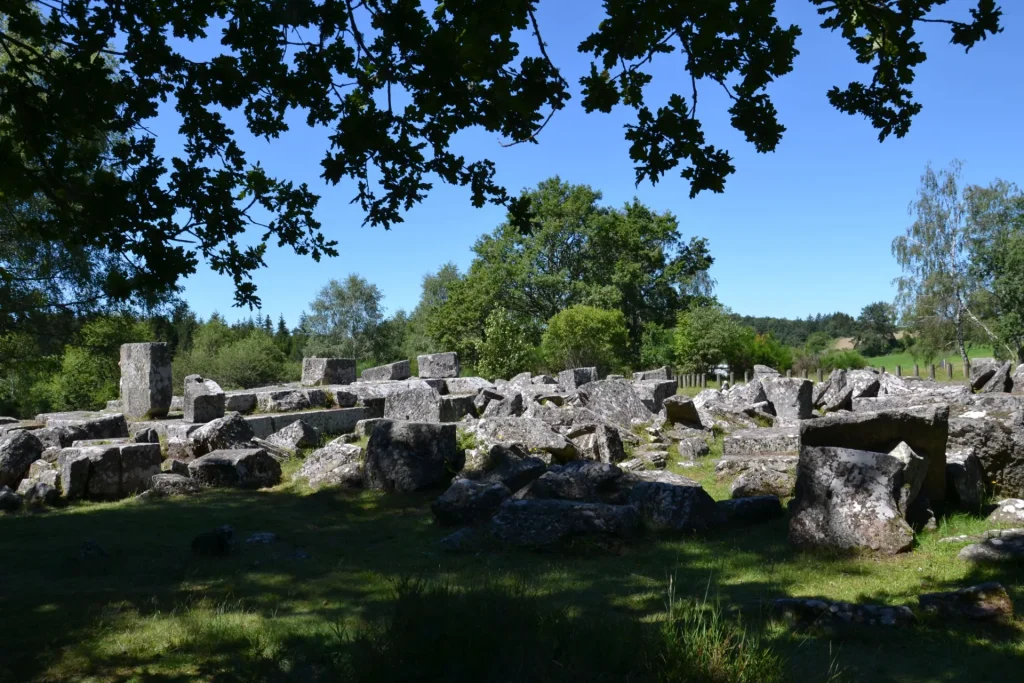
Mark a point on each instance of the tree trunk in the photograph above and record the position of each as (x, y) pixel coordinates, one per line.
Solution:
(958, 320)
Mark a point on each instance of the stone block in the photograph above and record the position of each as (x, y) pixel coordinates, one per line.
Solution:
(321, 371)
(569, 380)
(204, 400)
(392, 371)
(145, 379)
(438, 365)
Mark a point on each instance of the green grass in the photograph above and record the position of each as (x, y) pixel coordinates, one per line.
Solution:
(330, 600)
(906, 362)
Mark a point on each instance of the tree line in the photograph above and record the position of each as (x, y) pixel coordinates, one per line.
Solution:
(619, 288)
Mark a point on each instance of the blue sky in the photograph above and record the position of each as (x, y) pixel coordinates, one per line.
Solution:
(806, 229)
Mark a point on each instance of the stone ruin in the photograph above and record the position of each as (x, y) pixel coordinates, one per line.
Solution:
(864, 458)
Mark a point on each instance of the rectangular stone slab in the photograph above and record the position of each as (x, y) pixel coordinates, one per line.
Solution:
(925, 429)
(145, 379)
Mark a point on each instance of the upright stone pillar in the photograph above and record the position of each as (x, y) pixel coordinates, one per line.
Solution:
(821, 375)
(145, 379)
(917, 370)
(899, 371)
(931, 371)
(949, 371)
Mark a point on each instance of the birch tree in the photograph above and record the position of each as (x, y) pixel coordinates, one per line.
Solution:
(939, 285)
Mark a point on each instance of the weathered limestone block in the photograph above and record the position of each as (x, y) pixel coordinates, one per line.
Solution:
(654, 392)
(614, 400)
(1000, 381)
(295, 436)
(924, 429)
(865, 383)
(336, 464)
(510, 465)
(18, 450)
(569, 380)
(321, 371)
(108, 472)
(418, 404)
(775, 440)
(532, 434)
(982, 370)
(230, 431)
(848, 499)
(664, 372)
(597, 442)
(469, 502)
(75, 426)
(239, 468)
(392, 371)
(438, 365)
(467, 385)
(542, 523)
(791, 397)
(170, 484)
(146, 379)
(204, 400)
(411, 456)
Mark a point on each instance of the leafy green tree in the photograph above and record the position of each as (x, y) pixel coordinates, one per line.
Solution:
(876, 329)
(656, 346)
(999, 261)
(390, 337)
(707, 336)
(344, 319)
(506, 350)
(942, 292)
(578, 252)
(451, 66)
(584, 336)
(423, 334)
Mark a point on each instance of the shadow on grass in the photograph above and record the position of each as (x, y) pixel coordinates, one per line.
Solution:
(292, 609)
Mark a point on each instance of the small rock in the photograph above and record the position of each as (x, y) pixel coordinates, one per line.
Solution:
(1009, 510)
(986, 601)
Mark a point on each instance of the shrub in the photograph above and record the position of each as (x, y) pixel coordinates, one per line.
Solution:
(86, 381)
(506, 349)
(846, 360)
(584, 336)
(765, 349)
(250, 362)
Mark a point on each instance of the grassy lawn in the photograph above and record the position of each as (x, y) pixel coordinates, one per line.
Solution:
(906, 362)
(151, 611)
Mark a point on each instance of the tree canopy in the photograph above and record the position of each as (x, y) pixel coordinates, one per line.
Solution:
(630, 259)
(393, 81)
